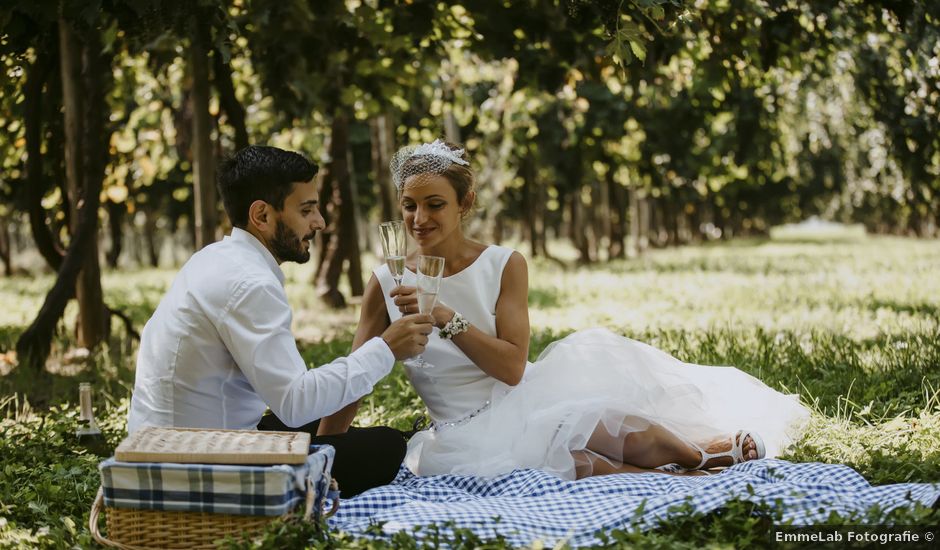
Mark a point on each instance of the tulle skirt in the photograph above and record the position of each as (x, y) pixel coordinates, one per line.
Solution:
(597, 386)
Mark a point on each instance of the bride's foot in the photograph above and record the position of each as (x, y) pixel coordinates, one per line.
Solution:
(727, 451)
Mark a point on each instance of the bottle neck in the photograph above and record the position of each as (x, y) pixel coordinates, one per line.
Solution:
(86, 412)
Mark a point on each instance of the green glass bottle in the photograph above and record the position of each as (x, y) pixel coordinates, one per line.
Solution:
(88, 433)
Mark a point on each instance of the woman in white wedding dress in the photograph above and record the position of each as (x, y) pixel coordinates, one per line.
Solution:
(594, 402)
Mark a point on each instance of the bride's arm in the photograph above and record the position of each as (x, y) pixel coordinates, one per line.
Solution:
(373, 320)
(504, 356)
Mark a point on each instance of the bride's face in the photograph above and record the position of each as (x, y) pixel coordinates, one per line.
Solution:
(430, 209)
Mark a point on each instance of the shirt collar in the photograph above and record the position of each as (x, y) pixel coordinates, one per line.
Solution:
(241, 236)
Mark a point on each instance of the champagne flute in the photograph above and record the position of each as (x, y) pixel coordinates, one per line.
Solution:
(430, 273)
(394, 248)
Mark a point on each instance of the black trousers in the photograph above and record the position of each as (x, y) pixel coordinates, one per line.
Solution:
(365, 457)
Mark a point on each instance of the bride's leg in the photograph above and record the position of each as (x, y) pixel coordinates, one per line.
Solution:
(589, 463)
(647, 448)
(655, 445)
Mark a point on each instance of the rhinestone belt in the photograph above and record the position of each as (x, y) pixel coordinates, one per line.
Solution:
(435, 425)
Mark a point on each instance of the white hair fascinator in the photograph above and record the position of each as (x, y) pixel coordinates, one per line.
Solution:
(427, 158)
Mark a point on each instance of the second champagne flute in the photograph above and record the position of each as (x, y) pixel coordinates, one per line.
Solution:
(429, 275)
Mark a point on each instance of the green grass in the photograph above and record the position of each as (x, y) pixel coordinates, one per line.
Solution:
(852, 326)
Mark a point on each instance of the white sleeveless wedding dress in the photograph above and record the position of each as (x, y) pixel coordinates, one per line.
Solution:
(589, 380)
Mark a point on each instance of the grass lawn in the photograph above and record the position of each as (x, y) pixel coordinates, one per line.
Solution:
(854, 327)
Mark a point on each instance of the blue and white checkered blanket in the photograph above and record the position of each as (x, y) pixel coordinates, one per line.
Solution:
(532, 505)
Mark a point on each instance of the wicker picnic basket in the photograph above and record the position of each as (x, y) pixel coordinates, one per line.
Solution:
(132, 529)
(145, 529)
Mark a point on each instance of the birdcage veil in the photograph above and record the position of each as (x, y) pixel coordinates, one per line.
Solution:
(427, 158)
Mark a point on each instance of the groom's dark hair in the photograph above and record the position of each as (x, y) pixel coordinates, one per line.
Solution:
(258, 172)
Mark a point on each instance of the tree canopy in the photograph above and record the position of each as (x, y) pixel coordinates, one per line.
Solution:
(615, 124)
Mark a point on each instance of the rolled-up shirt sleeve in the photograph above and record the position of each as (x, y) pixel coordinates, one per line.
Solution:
(255, 326)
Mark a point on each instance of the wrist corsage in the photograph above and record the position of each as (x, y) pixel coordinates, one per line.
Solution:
(455, 326)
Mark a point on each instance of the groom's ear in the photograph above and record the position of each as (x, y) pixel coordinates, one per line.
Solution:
(260, 215)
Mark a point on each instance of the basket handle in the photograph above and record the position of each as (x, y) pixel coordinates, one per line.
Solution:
(311, 495)
(96, 508)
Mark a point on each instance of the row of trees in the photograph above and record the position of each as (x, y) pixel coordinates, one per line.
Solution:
(616, 124)
(134, 101)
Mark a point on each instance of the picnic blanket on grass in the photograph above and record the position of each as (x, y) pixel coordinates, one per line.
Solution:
(532, 505)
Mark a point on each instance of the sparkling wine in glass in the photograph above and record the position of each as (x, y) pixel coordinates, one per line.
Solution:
(430, 273)
(394, 248)
(426, 301)
(396, 264)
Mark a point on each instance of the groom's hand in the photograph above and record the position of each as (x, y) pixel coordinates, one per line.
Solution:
(408, 336)
(406, 298)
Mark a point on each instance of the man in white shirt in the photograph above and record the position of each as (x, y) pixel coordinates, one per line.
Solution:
(219, 350)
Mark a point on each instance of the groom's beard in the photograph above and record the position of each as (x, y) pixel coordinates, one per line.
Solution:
(287, 246)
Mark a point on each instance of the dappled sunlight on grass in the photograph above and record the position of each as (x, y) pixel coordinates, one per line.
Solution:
(895, 449)
(862, 289)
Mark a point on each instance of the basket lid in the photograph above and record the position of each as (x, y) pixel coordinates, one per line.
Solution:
(206, 446)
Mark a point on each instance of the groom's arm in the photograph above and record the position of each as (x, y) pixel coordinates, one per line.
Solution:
(340, 421)
(255, 327)
(373, 320)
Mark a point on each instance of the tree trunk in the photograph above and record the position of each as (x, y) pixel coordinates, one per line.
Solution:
(229, 101)
(577, 229)
(343, 243)
(574, 172)
(150, 235)
(528, 204)
(541, 212)
(684, 223)
(677, 219)
(204, 208)
(382, 137)
(34, 343)
(55, 151)
(616, 216)
(45, 243)
(599, 214)
(83, 135)
(659, 221)
(602, 212)
(183, 125)
(451, 128)
(643, 224)
(662, 217)
(718, 216)
(592, 232)
(71, 66)
(354, 258)
(116, 214)
(95, 141)
(6, 247)
(634, 213)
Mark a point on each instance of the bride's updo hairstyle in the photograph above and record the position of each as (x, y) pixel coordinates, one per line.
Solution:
(439, 158)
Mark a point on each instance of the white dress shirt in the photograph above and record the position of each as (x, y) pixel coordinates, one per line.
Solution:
(219, 349)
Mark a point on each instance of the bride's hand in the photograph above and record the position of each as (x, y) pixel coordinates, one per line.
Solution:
(406, 298)
(442, 315)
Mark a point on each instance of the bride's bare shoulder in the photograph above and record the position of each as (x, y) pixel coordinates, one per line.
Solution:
(474, 248)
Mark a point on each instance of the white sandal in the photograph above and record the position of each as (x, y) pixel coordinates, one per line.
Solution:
(737, 449)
